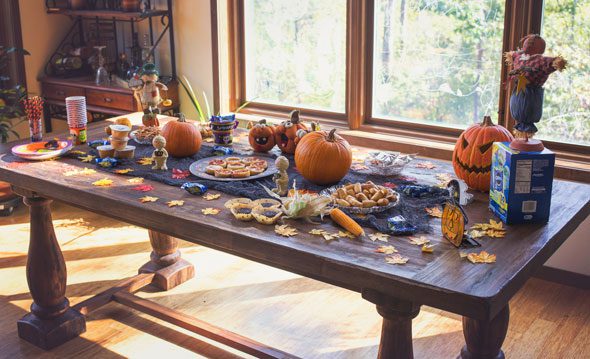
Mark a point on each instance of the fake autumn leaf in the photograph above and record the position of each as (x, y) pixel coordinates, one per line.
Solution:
(146, 161)
(210, 211)
(146, 199)
(426, 165)
(434, 212)
(396, 259)
(317, 232)
(346, 234)
(482, 257)
(105, 182)
(329, 236)
(77, 153)
(476, 234)
(77, 172)
(285, 230)
(491, 225)
(123, 171)
(87, 158)
(175, 203)
(428, 248)
(494, 229)
(211, 196)
(378, 236)
(444, 177)
(495, 233)
(419, 241)
(386, 249)
(463, 254)
(135, 180)
(143, 188)
(179, 174)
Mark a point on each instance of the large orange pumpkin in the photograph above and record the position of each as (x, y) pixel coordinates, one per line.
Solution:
(286, 133)
(323, 157)
(472, 157)
(183, 138)
(262, 137)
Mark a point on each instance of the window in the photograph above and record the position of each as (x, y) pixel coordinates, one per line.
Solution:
(437, 62)
(296, 53)
(413, 68)
(566, 109)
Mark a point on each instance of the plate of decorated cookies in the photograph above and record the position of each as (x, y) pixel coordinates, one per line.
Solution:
(233, 168)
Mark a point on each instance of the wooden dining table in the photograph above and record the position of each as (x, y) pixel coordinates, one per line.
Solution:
(443, 279)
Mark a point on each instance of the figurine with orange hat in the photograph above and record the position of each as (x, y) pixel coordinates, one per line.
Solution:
(529, 69)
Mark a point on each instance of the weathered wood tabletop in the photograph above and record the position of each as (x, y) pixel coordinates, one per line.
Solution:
(441, 279)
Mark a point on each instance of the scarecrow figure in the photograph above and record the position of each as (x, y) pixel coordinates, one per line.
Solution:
(150, 88)
(529, 70)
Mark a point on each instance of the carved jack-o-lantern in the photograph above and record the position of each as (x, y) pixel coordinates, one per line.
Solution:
(472, 157)
(453, 223)
(286, 133)
(262, 137)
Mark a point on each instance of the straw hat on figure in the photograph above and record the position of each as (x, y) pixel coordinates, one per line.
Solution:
(529, 70)
(149, 90)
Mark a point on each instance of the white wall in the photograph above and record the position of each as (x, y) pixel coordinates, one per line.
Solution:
(42, 33)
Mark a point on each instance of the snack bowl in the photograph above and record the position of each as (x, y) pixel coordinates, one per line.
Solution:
(118, 144)
(105, 151)
(386, 163)
(126, 153)
(119, 132)
(356, 205)
(266, 215)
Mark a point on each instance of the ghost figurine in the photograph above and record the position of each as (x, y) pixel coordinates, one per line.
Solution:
(529, 69)
(160, 155)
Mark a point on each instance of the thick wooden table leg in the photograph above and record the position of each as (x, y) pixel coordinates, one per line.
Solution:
(51, 321)
(396, 331)
(170, 270)
(484, 338)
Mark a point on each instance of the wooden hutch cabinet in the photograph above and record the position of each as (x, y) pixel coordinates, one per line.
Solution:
(71, 69)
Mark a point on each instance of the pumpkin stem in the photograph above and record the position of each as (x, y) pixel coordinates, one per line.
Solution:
(262, 122)
(487, 121)
(331, 136)
(181, 117)
(294, 115)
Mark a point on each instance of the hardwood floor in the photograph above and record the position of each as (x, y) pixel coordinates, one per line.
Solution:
(291, 313)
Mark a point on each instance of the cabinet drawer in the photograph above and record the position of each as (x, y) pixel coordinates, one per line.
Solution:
(60, 92)
(114, 100)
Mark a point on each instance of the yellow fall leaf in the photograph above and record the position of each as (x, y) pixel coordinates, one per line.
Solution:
(87, 158)
(419, 241)
(105, 182)
(329, 236)
(210, 211)
(175, 203)
(378, 236)
(146, 199)
(146, 161)
(135, 180)
(77, 172)
(211, 196)
(396, 259)
(285, 230)
(123, 171)
(386, 249)
(346, 234)
(482, 257)
(317, 232)
(434, 212)
(428, 248)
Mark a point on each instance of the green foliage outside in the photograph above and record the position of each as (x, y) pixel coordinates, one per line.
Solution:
(9, 95)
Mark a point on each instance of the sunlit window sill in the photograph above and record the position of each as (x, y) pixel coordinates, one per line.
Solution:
(426, 146)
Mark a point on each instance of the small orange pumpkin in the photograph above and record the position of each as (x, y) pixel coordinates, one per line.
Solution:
(262, 137)
(472, 157)
(183, 138)
(323, 157)
(286, 133)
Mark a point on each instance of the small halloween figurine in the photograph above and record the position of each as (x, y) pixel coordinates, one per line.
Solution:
(454, 218)
(286, 132)
(160, 154)
(149, 89)
(282, 178)
(529, 70)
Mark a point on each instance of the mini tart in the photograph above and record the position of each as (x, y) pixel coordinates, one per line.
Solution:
(266, 215)
(233, 159)
(248, 160)
(259, 163)
(255, 170)
(235, 166)
(212, 168)
(218, 162)
(234, 201)
(267, 203)
(242, 211)
(241, 173)
(223, 173)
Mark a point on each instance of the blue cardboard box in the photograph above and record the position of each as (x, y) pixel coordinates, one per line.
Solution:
(520, 184)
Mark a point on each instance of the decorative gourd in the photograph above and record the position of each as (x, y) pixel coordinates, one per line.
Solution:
(472, 157)
(262, 137)
(286, 133)
(323, 157)
(346, 222)
(150, 119)
(183, 138)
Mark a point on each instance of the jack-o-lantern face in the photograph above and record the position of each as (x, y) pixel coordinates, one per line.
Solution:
(453, 224)
(261, 137)
(286, 133)
(472, 157)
